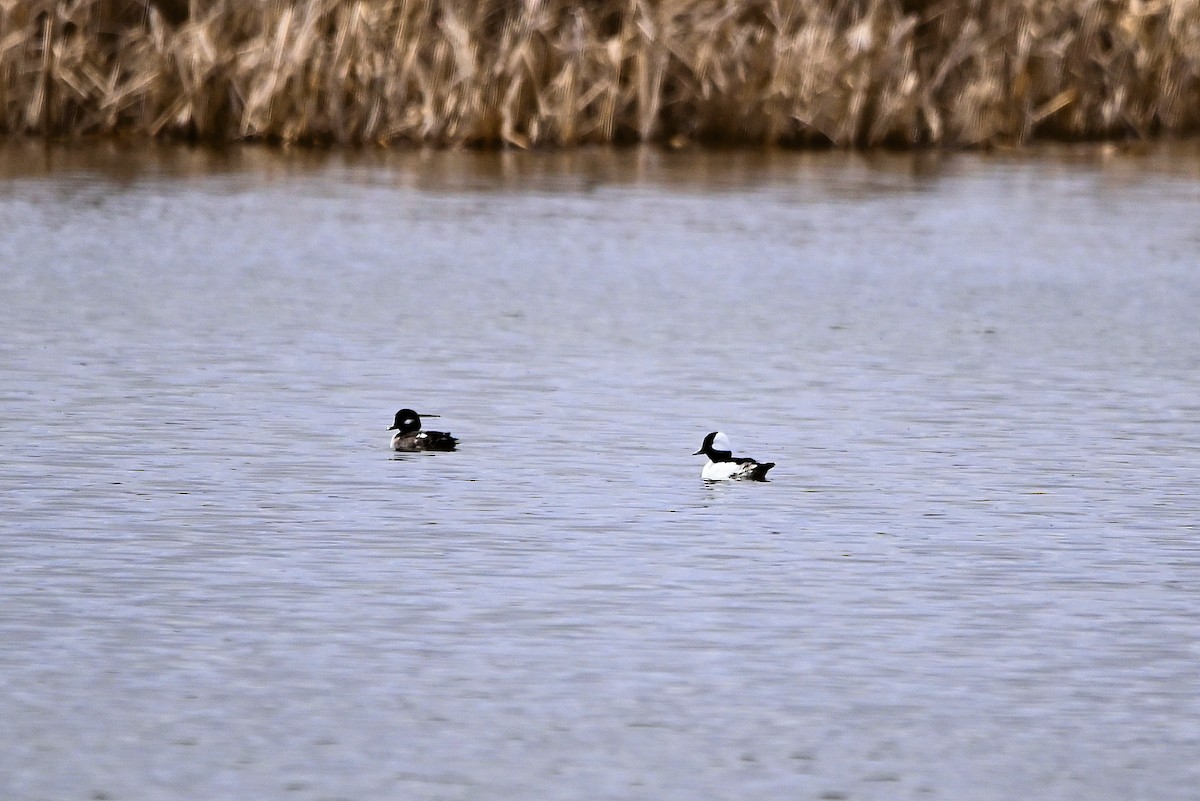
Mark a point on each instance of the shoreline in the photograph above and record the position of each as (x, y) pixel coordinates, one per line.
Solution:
(585, 167)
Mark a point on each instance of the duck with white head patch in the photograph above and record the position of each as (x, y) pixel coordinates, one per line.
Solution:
(410, 437)
(723, 465)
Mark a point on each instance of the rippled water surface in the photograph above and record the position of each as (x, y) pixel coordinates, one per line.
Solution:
(975, 574)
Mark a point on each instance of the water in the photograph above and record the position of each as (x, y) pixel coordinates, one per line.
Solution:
(974, 575)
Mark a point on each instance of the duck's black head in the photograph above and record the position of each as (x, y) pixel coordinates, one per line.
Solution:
(715, 447)
(407, 422)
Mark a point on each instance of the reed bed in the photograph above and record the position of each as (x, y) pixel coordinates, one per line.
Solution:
(846, 73)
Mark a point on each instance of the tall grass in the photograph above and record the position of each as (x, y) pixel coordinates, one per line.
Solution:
(551, 72)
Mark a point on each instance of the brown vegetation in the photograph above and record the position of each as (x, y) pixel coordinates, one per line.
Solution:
(537, 72)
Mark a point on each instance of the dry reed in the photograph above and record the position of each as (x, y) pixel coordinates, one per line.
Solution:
(538, 72)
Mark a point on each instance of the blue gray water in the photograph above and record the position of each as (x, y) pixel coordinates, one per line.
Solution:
(975, 575)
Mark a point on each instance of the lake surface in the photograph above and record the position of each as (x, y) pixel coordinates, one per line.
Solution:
(974, 575)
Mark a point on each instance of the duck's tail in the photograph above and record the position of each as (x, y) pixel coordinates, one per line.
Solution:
(440, 441)
(760, 471)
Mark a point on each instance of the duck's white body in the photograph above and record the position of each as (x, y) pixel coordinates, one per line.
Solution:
(725, 471)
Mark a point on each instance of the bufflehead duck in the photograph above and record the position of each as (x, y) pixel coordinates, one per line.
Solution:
(410, 437)
(722, 464)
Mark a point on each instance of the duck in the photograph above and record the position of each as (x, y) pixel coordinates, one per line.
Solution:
(723, 465)
(410, 437)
